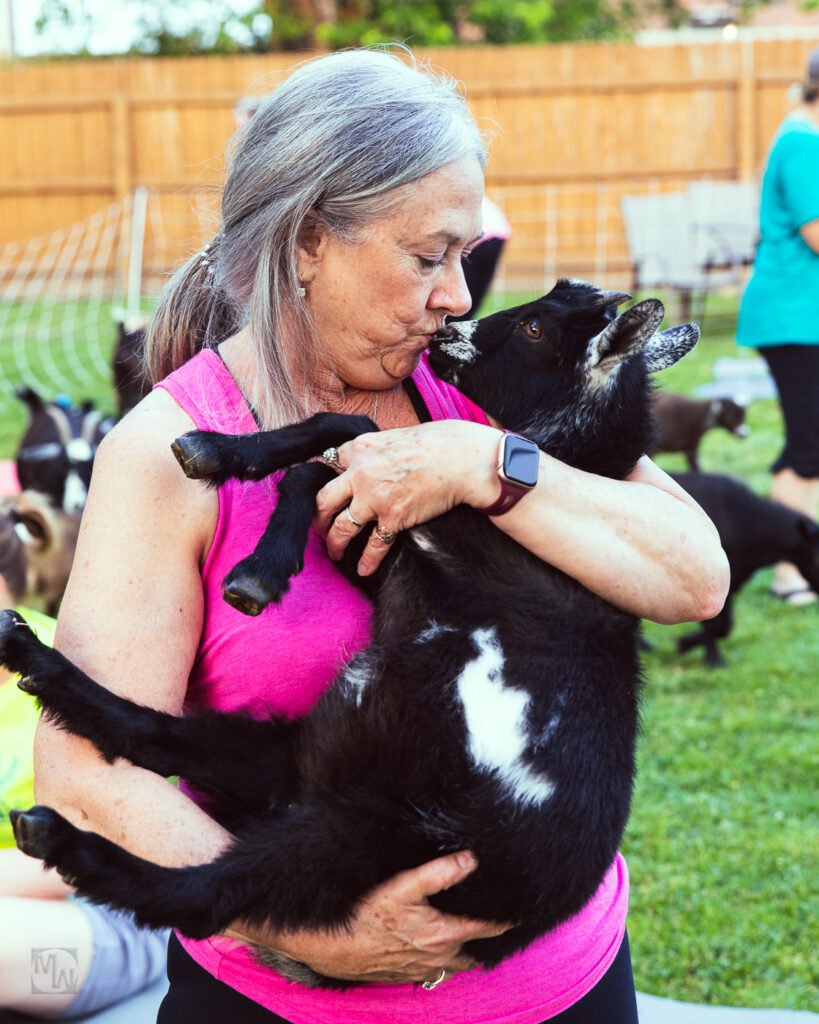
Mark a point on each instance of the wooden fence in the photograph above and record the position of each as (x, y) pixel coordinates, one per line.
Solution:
(579, 127)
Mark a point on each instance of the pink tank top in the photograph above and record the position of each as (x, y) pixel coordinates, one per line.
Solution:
(282, 660)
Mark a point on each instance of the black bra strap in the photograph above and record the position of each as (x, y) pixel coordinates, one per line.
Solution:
(418, 404)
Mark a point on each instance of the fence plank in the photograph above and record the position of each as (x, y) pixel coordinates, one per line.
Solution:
(580, 126)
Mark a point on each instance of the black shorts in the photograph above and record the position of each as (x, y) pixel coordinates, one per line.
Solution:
(196, 997)
(795, 368)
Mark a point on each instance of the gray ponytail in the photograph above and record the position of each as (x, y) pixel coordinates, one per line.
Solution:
(338, 140)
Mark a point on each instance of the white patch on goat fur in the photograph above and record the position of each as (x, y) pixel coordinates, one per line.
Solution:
(496, 721)
(422, 540)
(358, 674)
(74, 494)
(433, 629)
(461, 349)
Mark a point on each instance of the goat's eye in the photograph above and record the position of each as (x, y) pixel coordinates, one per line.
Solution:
(533, 329)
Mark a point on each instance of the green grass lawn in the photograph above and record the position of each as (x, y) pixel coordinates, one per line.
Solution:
(724, 833)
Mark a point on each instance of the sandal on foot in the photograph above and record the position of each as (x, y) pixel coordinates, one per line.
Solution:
(797, 596)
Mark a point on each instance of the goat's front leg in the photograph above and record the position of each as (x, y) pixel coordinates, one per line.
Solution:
(264, 576)
(228, 755)
(207, 455)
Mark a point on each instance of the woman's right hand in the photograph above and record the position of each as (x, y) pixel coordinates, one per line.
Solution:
(395, 936)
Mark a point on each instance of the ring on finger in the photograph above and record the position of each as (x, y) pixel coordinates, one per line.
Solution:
(351, 517)
(430, 985)
(330, 456)
(384, 535)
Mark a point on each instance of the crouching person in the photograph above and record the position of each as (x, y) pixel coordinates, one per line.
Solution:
(60, 956)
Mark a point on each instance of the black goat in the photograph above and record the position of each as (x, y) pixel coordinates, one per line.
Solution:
(682, 422)
(496, 709)
(755, 532)
(57, 449)
(132, 382)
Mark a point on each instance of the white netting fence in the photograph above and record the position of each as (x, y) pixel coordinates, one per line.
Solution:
(59, 294)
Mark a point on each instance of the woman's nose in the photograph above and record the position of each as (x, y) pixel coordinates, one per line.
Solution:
(453, 294)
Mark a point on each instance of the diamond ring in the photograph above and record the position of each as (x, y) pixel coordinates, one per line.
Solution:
(330, 456)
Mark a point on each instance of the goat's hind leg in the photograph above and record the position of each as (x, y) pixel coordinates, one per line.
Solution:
(303, 868)
(264, 576)
(199, 900)
(207, 455)
(232, 756)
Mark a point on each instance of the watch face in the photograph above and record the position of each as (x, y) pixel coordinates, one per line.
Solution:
(520, 461)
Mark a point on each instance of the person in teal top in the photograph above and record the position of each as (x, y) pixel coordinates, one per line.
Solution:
(779, 313)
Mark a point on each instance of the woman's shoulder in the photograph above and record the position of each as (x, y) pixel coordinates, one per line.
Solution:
(147, 431)
(135, 462)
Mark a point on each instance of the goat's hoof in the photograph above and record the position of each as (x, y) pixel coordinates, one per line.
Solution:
(11, 637)
(29, 685)
(34, 831)
(248, 595)
(196, 457)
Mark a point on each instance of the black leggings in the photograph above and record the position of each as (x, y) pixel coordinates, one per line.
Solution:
(795, 368)
(196, 997)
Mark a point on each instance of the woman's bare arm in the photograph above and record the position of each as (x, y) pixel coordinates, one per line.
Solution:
(810, 233)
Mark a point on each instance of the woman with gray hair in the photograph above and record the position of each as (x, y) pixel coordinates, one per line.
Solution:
(352, 197)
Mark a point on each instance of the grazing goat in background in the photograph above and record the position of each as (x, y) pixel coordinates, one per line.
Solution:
(495, 710)
(131, 379)
(37, 543)
(755, 532)
(57, 449)
(682, 422)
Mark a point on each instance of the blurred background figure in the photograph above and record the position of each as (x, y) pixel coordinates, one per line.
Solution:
(245, 109)
(106, 956)
(480, 266)
(779, 314)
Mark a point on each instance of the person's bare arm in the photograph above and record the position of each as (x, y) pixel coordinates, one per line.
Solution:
(131, 618)
(810, 233)
(642, 543)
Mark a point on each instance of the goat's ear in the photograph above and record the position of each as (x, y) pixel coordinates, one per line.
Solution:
(626, 334)
(31, 399)
(668, 347)
(34, 529)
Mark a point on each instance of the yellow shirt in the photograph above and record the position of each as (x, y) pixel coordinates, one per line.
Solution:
(18, 718)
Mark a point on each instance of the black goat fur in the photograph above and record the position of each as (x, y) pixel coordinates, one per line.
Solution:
(755, 532)
(495, 710)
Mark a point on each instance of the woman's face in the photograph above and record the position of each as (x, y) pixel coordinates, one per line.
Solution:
(375, 303)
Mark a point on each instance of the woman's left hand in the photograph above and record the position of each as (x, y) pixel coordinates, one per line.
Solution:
(402, 477)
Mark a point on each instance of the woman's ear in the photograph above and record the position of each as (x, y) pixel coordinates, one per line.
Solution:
(310, 246)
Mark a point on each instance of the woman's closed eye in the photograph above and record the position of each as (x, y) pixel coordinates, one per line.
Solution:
(432, 262)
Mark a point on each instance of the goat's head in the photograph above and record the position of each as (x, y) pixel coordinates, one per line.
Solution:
(57, 449)
(37, 543)
(731, 416)
(558, 365)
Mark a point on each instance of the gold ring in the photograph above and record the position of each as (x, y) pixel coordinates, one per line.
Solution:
(430, 985)
(384, 535)
(330, 456)
(351, 517)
